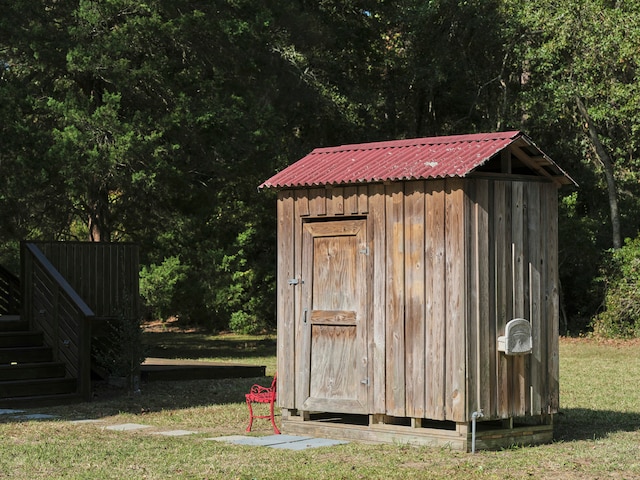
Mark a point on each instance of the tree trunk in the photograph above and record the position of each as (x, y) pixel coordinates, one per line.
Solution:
(605, 159)
(99, 230)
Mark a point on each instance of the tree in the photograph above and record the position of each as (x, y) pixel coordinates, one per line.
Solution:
(154, 122)
(579, 95)
(581, 67)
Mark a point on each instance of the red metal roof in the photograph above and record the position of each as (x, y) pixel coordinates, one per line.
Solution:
(412, 159)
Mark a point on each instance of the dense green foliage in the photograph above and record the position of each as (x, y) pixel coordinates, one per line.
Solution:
(621, 314)
(155, 122)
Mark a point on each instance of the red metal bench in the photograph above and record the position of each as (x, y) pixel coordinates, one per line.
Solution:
(260, 394)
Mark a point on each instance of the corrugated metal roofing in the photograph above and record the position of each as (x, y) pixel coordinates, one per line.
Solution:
(411, 159)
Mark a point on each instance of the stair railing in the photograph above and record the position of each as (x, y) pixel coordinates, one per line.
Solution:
(52, 306)
(9, 292)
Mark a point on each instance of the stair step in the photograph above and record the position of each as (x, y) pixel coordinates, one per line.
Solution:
(12, 323)
(20, 339)
(27, 371)
(30, 388)
(25, 355)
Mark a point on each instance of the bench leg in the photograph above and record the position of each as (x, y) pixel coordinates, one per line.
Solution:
(250, 416)
(273, 420)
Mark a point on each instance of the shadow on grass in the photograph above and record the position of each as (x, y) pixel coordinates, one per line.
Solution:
(584, 424)
(156, 396)
(203, 346)
(159, 395)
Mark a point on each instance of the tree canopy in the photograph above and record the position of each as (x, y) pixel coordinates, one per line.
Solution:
(154, 122)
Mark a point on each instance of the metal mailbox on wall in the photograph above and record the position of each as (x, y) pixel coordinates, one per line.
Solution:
(517, 339)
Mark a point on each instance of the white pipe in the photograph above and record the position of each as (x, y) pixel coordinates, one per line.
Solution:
(474, 417)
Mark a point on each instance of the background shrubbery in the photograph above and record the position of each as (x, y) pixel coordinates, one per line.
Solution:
(621, 308)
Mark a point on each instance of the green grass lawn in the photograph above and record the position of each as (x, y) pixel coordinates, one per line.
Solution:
(597, 434)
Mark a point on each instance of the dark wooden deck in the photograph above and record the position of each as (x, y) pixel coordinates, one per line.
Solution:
(174, 369)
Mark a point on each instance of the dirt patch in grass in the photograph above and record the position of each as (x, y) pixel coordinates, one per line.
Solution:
(172, 325)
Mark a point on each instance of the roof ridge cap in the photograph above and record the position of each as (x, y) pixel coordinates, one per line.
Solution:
(407, 142)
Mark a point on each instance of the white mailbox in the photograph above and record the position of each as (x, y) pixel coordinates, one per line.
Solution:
(517, 338)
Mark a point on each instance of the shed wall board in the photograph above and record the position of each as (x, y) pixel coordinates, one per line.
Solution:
(455, 297)
(435, 295)
(414, 225)
(376, 223)
(285, 301)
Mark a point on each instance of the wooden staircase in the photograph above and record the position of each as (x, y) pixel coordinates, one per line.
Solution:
(28, 374)
(46, 323)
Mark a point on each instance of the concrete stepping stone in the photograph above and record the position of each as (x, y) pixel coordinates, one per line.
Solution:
(86, 420)
(227, 438)
(270, 440)
(290, 442)
(308, 443)
(126, 427)
(176, 433)
(9, 411)
(36, 416)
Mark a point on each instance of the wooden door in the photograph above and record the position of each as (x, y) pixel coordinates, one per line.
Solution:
(334, 360)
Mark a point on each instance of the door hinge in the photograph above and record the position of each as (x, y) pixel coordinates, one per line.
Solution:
(365, 381)
(364, 251)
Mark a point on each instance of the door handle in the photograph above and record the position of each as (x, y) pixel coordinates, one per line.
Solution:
(304, 315)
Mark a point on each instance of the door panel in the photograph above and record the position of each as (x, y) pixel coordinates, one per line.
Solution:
(334, 295)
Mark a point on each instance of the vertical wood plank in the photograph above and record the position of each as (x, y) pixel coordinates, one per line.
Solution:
(492, 344)
(285, 300)
(414, 222)
(535, 246)
(435, 312)
(350, 200)
(503, 288)
(486, 341)
(134, 278)
(455, 302)
(335, 200)
(317, 202)
(472, 304)
(377, 234)
(518, 209)
(553, 299)
(517, 238)
(97, 286)
(363, 198)
(395, 351)
(543, 344)
(301, 203)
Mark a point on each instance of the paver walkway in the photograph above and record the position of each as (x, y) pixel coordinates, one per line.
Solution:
(289, 442)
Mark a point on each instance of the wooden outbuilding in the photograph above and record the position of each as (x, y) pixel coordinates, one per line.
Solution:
(417, 296)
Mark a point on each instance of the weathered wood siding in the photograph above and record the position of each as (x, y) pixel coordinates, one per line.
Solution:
(451, 261)
(105, 275)
(511, 273)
